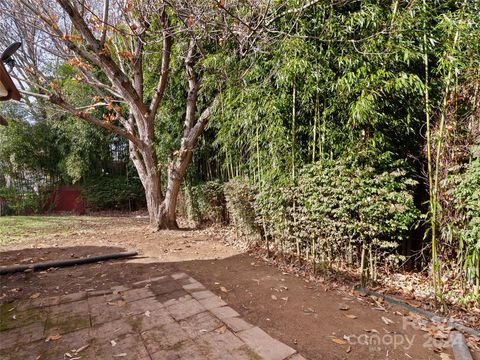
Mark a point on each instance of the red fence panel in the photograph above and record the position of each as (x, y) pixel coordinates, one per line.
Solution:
(67, 198)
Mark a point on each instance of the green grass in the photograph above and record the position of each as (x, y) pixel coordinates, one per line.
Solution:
(14, 228)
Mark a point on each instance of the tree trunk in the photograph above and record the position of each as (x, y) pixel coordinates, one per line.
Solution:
(161, 210)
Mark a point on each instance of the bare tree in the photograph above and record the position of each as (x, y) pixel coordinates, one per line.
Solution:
(109, 42)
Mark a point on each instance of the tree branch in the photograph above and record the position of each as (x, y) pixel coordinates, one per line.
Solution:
(58, 100)
(197, 130)
(193, 86)
(106, 63)
(165, 68)
(292, 11)
(105, 21)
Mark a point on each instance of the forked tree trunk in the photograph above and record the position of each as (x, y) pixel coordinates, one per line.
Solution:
(161, 211)
(162, 207)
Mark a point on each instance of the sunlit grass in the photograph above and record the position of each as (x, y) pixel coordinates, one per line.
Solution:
(15, 228)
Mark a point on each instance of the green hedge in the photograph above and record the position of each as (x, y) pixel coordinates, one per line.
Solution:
(21, 203)
(113, 192)
(205, 203)
(331, 213)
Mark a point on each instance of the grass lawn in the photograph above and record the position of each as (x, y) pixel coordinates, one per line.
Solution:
(13, 228)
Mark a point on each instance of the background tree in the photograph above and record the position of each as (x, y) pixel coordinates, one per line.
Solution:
(110, 46)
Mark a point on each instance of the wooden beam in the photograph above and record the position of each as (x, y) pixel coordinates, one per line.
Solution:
(6, 84)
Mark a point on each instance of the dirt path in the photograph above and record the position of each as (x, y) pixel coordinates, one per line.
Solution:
(319, 322)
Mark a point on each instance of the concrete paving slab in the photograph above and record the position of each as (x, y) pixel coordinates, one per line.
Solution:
(200, 324)
(174, 317)
(264, 345)
(212, 302)
(224, 312)
(237, 324)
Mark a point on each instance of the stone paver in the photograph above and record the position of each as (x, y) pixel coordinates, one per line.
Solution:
(194, 287)
(165, 317)
(212, 302)
(185, 309)
(202, 294)
(224, 312)
(164, 338)
(264, 345)
(237, 324)
(199, 324)
(128, 347)
(296, 357)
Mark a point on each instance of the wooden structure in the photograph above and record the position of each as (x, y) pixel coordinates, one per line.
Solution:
(8, 90)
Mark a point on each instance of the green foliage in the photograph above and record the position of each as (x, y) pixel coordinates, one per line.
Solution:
(467, 202)
(239, 202)
(205, 203)
(337, 91)
(29, 149)
(340, 207)
(56, 151)
(14, 202)
(116, 192)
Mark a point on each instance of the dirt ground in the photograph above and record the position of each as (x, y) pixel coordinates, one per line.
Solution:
(319, 321)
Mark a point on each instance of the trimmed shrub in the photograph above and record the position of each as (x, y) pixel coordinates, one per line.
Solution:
(205, 203)
(113, 192)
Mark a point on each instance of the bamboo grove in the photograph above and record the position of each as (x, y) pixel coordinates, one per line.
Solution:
(354, 140)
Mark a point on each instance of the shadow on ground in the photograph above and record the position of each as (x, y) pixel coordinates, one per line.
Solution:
(303, 315)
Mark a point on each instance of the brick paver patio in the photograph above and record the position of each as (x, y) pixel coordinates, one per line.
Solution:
(169, 317)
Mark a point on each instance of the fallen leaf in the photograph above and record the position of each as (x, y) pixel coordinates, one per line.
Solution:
(274, 297)
(444, 356)
(80, 349)
(440, 335)
(337, 340)
(113, 342)
(350, 316)
(344, 307)
(53, 337)
(34, 296)
(349, 349)
(221, 330)
(147, 313)
(387, 320)
(224, 289)
(120, 355)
